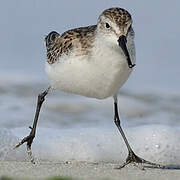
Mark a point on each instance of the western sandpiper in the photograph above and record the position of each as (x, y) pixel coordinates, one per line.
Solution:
(93, 61)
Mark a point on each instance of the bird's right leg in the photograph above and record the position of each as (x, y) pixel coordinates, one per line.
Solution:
(31, 136)
(132, 157)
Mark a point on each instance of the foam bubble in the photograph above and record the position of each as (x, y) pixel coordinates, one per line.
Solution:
(157, 143)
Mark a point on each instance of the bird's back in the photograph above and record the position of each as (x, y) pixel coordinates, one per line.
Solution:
(78, 40)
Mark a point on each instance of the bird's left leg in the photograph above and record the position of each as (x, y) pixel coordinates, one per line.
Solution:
(132, 157)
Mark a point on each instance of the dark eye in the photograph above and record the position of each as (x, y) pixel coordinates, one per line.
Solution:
(107, 25)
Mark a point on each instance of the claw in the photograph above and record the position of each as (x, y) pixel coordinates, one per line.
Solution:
(137, 161)
(17, 145)
(29, 140)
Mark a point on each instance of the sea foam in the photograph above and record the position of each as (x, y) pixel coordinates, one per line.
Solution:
(157, 143)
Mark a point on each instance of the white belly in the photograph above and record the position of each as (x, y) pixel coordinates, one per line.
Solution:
(98, 78)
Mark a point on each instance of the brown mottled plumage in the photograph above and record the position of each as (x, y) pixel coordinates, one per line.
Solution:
(118, 15)
(58, 45)
(80, 38)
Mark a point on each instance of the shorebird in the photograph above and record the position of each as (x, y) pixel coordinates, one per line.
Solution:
(93, 61)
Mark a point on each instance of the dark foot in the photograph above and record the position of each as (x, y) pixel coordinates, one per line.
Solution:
(133, 158)
(29, 140)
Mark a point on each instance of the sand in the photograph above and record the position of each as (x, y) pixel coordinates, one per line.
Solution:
(83, 170)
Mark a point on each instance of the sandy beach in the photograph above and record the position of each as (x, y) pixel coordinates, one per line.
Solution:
(83, 170)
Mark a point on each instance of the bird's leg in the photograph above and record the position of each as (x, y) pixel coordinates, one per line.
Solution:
(30, 137)
(132, 157)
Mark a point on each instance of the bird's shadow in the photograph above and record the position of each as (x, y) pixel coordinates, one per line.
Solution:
(166, 167)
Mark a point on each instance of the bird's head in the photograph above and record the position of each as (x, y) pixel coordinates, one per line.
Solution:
(114, 25)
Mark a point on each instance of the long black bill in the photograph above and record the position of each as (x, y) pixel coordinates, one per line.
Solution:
(122, 43)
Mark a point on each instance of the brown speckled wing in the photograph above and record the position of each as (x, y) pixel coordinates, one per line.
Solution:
(53, 46)
(79, 39)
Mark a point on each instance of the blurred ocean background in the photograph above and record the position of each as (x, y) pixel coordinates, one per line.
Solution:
(72, 127)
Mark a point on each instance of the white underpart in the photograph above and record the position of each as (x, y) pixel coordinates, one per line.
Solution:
(99, 75)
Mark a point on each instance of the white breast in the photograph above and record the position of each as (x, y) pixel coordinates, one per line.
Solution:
(99, 75)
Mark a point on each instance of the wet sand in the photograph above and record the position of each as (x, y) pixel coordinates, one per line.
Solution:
(83, 170)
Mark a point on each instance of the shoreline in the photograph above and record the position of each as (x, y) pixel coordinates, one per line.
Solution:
(82, 170)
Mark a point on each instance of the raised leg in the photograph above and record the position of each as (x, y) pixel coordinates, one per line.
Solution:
(132, 157)
(30, 137)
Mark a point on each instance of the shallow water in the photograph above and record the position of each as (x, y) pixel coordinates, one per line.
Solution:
(77, 128)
